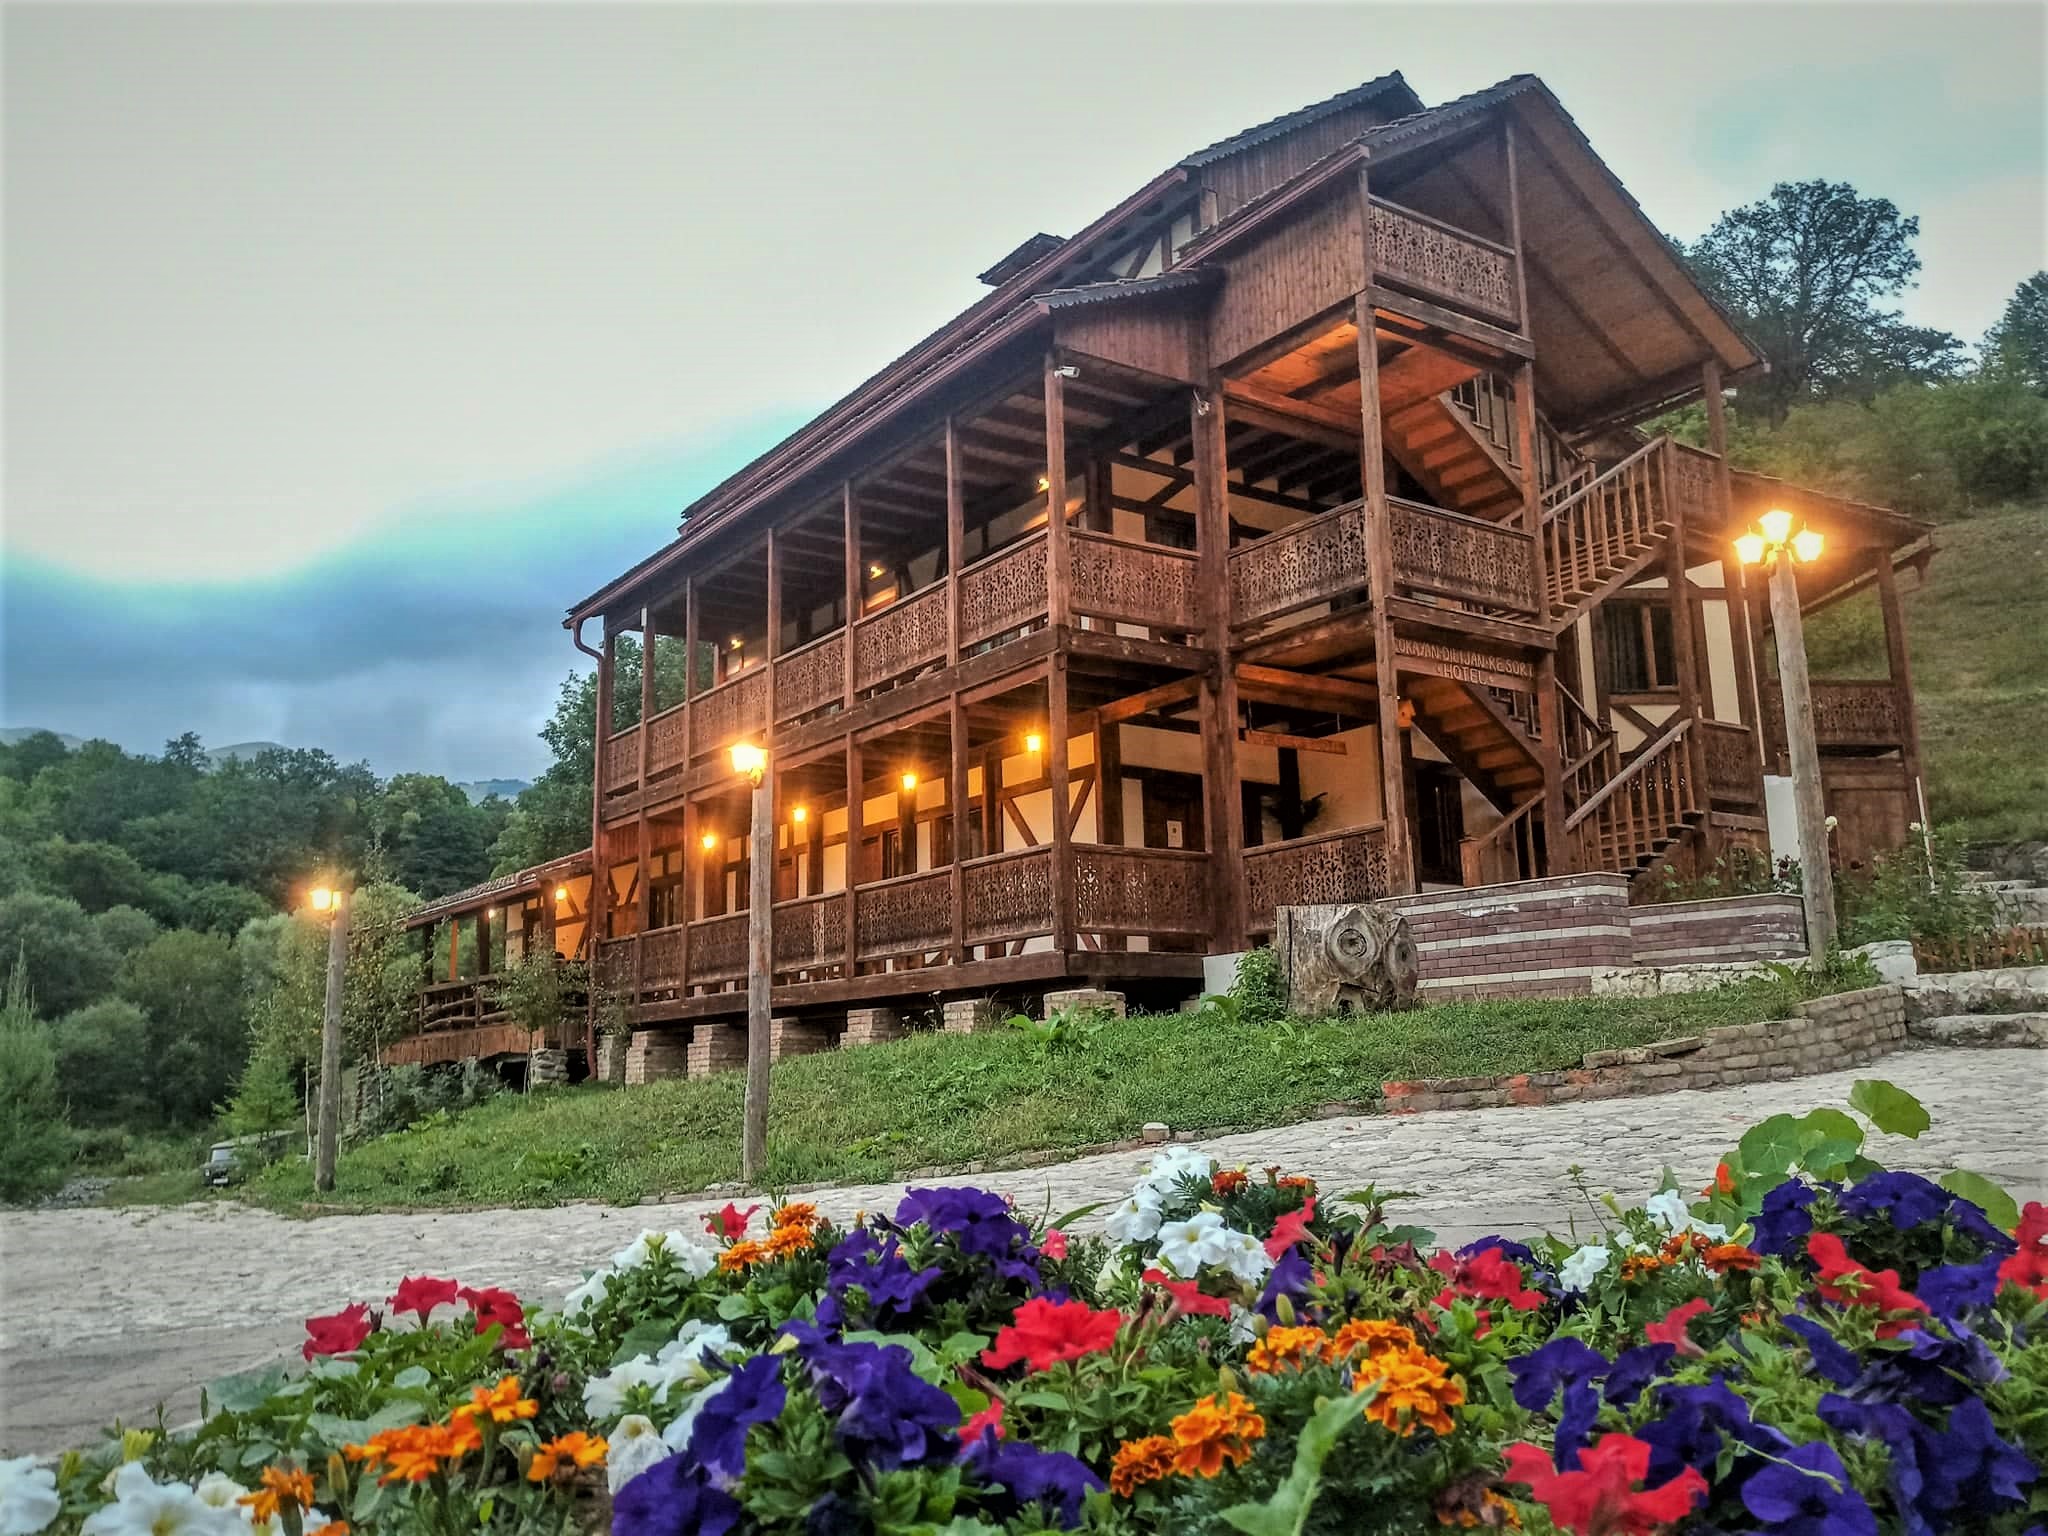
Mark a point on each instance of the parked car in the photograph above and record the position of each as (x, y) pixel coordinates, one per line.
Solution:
(229, 1162)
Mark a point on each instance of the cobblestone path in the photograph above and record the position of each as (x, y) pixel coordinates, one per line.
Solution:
(105, 1312)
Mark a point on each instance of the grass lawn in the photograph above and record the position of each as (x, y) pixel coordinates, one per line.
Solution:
(874, 1113)
(1978, 633)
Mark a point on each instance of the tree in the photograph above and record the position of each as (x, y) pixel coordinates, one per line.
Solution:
(2016, 348)
(31, 755)
(189, 985)
(436, 839)
(125, 929)
(103, 1062)
(66, 962)
(1805, 272)
(35, 1140)
(95, 875)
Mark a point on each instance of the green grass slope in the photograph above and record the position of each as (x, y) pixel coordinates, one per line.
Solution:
(1978, 633)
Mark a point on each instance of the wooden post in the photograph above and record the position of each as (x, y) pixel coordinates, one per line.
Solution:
(852, 548)
(688, 901)
(906, 832)
(1809, 801)
(992, 799)
(1058, 551)
(643, 844)
(1740, 636)
(1379, 547)
(328, 1147)
(1109, 784)
(956, 811)
(600, 867)
(814, 852)
(1682, 633)
(760, 970)
(855, 825)
(956, 538)
(1225, 829)
(1901, 671)
(1056, 728)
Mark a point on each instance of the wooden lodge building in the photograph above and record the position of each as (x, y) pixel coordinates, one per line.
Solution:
(1283, 536)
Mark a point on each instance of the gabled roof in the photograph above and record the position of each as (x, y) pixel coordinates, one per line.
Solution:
(486, 892)
(1391, 87)
(1126, 288)
(1026, 255)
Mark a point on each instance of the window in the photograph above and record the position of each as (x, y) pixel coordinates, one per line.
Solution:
(1641, 656)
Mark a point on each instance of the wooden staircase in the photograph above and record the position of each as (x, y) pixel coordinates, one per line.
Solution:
(1630, 821)
(1607, 533)
(1462, 463)
(1480, 734)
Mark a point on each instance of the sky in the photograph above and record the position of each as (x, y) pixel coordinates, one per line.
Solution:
(346, 346)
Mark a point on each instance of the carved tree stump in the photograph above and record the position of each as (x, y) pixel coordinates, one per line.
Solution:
(1355, 958)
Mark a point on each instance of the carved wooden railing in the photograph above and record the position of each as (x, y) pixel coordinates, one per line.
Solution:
(810, 932)
(736, 707)
(622, 759)
(909, 915)
(1348, 865)
(1488, 401)
(1690, 486)
(1007, 896)
(718, 949)
(1449, 554)
(810, 677)
(1004, 593)
(1635, 814)
(612, 969)
(1510, 850)
(1596, 533)
(666, 749)
(1135, 583)
(1412, 250)
(661, 959)
(1313, 561)
(1864, 713)
(1159, 892)
(1589, 755)
(1734, 776)
(903, 638)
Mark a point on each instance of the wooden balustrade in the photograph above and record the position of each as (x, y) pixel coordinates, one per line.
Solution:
(1599, 530)
(1146, 584)
(901, 639)
(666, 747)
(810, 677)
(911, 915)
(661, 959)
(1448, 554)
(1003, 593)
(1008, 896)
(1856, 714)
(1636, 812)
(1488, 401)
(1158, 892)
(1440, 261)
(1589, 755)
(718, 949)
(810, 932)
(1510, 850)
(622, 759)
(737, 707)
(1327, 867)
(1734, 776)
(1316, 560)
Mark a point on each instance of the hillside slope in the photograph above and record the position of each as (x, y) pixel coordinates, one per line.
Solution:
(1978, 633)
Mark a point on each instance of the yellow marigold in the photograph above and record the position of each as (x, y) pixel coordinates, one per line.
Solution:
(744, 1254)
(415, 1453)
(501, 1404)
(1138, 1462)
(278, 1487)
(1371, 1336)
(798, 1213)
(1285, 1348)
(1412, 1389)
(573, 1450)
(1213, 1432)
(788, 1242)
(1637, 1265)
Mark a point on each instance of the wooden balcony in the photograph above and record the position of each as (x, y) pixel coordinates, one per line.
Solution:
(1346, 865)
(1435, 260)
(459, 1020)
(1865, 716)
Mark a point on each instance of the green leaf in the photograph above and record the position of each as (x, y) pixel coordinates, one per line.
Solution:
(1832, 1125)
(247, 1391)
(1286, 1512)
(335, 1431)
(1069, 1218)
(2003, 1210)
(645, 1338)
(393, 1416)
(1058, 1402)
(412, 1376)
(1771, 1146)
(1891, 1109)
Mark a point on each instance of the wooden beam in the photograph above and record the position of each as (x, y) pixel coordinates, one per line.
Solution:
(1328, 746)
(1176, 692)
(1217, 690)
(1448, 328)
(1291, 417)
(1277, 685)
(1058, 548)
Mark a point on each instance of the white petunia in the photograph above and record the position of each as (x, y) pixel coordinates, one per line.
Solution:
(144, 1507)
(690, 1256)
(219, 1491)
(1136, 1219)
(585, 1295)
(1667, 1209)
(1577, 1272)
(604, 1397)
(28, 1496)
(677, 1436)
(1185, 1246)
(682, 1358)
(1172, 1166)
(1244, 1256)
(633, 1446)
(311, 1520)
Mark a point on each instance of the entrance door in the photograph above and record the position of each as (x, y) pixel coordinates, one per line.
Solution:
(1440, 823)
(1173, 811)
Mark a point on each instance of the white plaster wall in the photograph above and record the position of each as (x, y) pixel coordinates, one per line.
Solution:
(1782, 818)
(1352, 782)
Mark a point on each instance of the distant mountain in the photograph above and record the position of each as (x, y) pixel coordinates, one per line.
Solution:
(241, 751)
(482, 789)
(11, 735)
(478, 790)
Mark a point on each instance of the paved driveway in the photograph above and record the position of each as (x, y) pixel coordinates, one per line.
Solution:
(105, 1312)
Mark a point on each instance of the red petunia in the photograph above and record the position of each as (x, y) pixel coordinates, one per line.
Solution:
(420, 1294)
(1054, 1244)
(2028, 1267)
(1187, 1295)
(492, 1304)
(338, 1333)
(1291, 1229)
(1845, 1281)
(1488, 1273)
(1043, 1333)
(1672, 1330)
(990, 1418)
(1600, 1498)
(729, 1221)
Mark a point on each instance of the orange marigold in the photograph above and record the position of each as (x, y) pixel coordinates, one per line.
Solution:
(788, 1242)
(331, 1528)
(1229, 1181)
(1679, 1244)
(798, 1213)
(1413, 1388)
(1285, 1348)
(278, 1487)
(1372, 1336)
(1495, 1513)
(1138, 1462)
(1728, 1258)
(501, 1404)
(1213, 1432)
(1637, 1265)
(1294, 1181)
(415, 1453)
(744, 1254)
(571, 1451)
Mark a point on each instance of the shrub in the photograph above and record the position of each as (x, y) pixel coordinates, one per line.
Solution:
(1908, 894)
(1258, 989)
(103, 1062)
(35, 1140)
(125, 929)
(190, 987)
(266, 1098)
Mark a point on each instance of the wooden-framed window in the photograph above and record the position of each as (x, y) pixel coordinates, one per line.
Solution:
(1642, 655)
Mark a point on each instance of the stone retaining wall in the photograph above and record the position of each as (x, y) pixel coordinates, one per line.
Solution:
(1829, 1033)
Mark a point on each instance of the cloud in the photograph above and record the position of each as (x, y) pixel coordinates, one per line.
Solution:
(434, 644)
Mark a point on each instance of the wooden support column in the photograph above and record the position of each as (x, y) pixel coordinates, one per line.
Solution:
(1682, 633)
(1058, 550)
(685, 896)
(1901, 670)
(1109, 784)
(1379, 547)
(855, 826)
(1056, 728)
(992, 799)
(956, 539)
(643, 903)
(956, 813)
(1741, 628)
(483, 944)
(906, 832)
(852, 548)
(600, 867)
(690, 619)
(454, 950)
(1225, 822)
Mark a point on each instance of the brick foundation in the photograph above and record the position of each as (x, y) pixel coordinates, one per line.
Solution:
(968, 1015)
(1765, 927)
(871, 1026)
(655, 1054)
(716, 1048)
(547, 1066)
(1085, 1000)
(792, 1036)
(1828, 1034)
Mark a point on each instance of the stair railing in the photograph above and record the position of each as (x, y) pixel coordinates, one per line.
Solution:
(1510, 850)
(1488, 401)
(1597, 530)
(1588, 752)
(1638, 812)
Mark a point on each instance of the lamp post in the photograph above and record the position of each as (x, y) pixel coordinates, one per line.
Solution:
(332, 901)
(752, 763)
(1776, 544)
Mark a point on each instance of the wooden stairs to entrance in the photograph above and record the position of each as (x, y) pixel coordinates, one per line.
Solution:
(1457, 463)
(1480, 736)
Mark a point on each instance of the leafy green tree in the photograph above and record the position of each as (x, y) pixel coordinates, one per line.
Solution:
(66, 963)
(217, 906)
(95, 875)
(35, 1139)
(104, 1064)
(1806, 272)
(266, 1099)
(436, 839)
(2016, 348)
(125, 929)
(26, 758)
(189, 985)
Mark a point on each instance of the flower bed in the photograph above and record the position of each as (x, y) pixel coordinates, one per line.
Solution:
(1810, 1346)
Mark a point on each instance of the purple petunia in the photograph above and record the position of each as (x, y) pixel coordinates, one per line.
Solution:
(980, 1223)
(1905, 1199)
(1696, 1420)
(1953, 1289)
(885, 1415)
(673, 1498)
(1540, 1374)
(1634, 1369)
(1831, 1358)
(752, 1395)
(1290, 1278)
(1784, 1219)
(1508, 1250)
(1031, 1476)
(1937, 1475)
(1806, 1492)
(892, 1287)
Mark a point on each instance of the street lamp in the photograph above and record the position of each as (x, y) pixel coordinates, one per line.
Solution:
(751, 763)
(1780, 545)
(332, 902)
